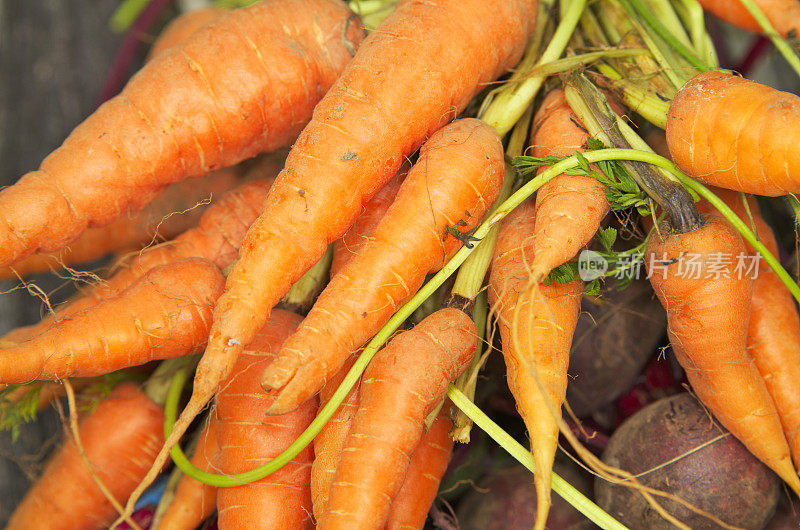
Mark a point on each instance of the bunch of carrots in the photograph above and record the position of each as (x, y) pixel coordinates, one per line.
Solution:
(289, 184)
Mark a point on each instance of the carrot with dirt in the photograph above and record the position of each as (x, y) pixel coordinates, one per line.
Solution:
(708, 305)
(401, 386)
(165, 314)
(184, 114)
(248, 437)
(175, 210)
(184, 26)
(192, 501)
(457, 177)
(360, 133)
(217, 238)
(427, 467)
(536, 326)
(734, 133)
(120, 438)
(773, 336)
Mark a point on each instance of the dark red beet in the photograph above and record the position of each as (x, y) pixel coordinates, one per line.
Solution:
(722, 478)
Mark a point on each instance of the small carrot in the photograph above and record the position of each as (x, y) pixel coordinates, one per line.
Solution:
(401, 386)
(536, 327)
(182, 27)
(708, 310)
(248, 437)
(427, 467)
(457, 177)
(733, 133)
(184, 114)
(330, 441)
(372, 118)
(120, 438)
(165, 314)
(784, 15)
(173, 211)
(193, 502)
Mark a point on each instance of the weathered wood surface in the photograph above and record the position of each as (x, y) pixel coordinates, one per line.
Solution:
(54, 55)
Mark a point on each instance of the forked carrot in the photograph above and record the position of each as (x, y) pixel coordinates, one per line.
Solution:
(185, 113)
(457, 177)
(248, 437)
(708, 305)
(536, 327)
(165, 314)
(401, 386)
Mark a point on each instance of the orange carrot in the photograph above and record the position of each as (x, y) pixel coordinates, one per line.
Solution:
(773, 337)
(248, 438)
(120, 438)
(401, 386)
(182, 27)
(737, 134)
(193, 501)
(330, 441)
(165, 314)
(185, 113)
(373, 116)
(428, 463)
(457, 177)
(708, 311)
(784, 15)
(536, 326)
(173, 211)
(346, 247)
(569, 208)
(216, 238)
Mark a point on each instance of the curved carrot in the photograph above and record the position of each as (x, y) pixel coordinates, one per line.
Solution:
(773, 336)
(357, 236)
(176, 209)
(427, 467)
(373, 116)
(185, 113)
(569, 208)
(248, 437)
(121, 438)
(182, 27)
(784, 15)
(457, 177)
(536, 327)
(708, 309)
(401, 386)
(737, 134)
(165, 314)
(193, 501)
(216, 238)
(330, 441)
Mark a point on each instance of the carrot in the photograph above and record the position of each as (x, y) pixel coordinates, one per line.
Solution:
(120, 438)
(173, 211)
(373, 116)
(708, 311)
(400, 387)
(569, 208)
(193, 502)
(536, 326)
(330, 441)
(185, 113)
(737, 134)
(428, 463)
(784, 15)
(773, 336)
(165, 314)
(216, 238)
(457, 177)
(182, 27)
(357, 236)
(247, 437)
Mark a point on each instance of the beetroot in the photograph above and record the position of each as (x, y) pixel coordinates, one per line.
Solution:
(661, 443)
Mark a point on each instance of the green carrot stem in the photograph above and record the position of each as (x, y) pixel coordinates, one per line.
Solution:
(789, 53)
